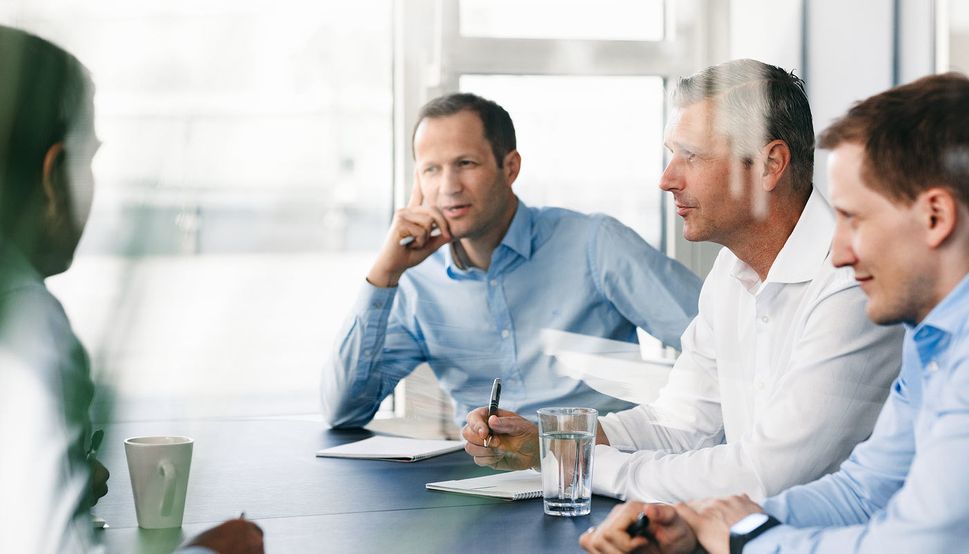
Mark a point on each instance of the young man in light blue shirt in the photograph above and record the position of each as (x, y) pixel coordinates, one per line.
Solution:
(899, 178)
(483, 274)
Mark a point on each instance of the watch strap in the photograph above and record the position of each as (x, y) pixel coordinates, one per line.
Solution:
(738, 541)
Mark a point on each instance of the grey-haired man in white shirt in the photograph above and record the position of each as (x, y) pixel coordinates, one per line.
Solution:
(781, 372)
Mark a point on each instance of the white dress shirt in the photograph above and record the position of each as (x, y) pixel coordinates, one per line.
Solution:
(45, 393)
(777, 382)
(45, 397)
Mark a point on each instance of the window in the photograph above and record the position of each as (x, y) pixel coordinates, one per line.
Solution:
(244, 183)
(585, 84)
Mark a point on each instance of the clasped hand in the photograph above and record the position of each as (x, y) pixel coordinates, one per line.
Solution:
(678, 529)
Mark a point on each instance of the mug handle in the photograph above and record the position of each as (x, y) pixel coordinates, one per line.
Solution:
(167, 471)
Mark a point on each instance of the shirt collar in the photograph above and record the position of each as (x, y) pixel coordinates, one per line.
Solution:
(15, 270)
(519, 234)
(946, 319)
(805, 250)
(518, 238)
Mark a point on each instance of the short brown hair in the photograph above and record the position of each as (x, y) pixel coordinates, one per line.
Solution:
(915, 136)
(499, 130)
(757, 103)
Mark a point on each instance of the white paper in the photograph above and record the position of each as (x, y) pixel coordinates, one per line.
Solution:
(398, 449)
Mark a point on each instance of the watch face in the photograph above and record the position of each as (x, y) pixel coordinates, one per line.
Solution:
(749, 523)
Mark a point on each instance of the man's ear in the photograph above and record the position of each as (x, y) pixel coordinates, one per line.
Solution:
(777, 158)
(939, 211)
(511, 167)
(53, 180)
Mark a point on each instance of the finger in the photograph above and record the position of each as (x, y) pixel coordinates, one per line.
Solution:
(404, 229)
(478, 451)
(486, 461)
(690, 515)
(421, 216)
(416, 195)
(510, 425)
(470, 434)
(608, 542)
(441, 222)
(660, 513)
(421, 219)
(477, 422)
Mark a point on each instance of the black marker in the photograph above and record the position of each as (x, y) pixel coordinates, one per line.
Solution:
(493, 406)
(640, 528)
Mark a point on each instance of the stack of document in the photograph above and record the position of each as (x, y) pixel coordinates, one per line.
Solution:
(615, 368)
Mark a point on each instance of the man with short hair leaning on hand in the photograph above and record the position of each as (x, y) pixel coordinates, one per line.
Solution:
(473, 300)
(781, 373)
(899, 177)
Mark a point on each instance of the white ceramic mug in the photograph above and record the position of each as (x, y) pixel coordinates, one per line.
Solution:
(159, 468)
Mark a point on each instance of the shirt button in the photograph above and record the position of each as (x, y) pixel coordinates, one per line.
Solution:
(366, 353)
(932, 366)
(759, 385)
(494, 282)
(764, 319)
(505, 334)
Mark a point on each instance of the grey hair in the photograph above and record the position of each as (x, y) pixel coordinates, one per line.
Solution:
(756, 103)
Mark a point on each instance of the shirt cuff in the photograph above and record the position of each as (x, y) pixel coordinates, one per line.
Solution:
(770, 541)
(374, 299)
(609, 474)
(616, 433)
(195, 550)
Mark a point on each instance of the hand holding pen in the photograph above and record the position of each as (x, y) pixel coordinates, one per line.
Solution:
(499, 438)
(416, 232)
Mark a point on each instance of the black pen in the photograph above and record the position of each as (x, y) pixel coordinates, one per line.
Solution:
(640, 528)
(493, 406)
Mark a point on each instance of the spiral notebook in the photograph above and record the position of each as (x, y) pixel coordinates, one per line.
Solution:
(513, 485)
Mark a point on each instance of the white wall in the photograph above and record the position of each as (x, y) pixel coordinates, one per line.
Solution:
(844, 49)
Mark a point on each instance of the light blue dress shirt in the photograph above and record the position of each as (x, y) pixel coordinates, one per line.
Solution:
(555, 269)
(906, 489)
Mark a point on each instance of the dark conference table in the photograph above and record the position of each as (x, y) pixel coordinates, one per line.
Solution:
(267, 468)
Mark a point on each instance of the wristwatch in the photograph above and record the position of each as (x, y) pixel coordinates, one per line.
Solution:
(748, 529)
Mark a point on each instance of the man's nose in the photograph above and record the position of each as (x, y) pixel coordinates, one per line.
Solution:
(450, 182)
(671, 179)
(841, 252)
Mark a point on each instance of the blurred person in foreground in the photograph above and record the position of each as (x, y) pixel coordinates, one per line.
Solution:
(899, 180)
(472, 302)
(781, 373)
(47, 143)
